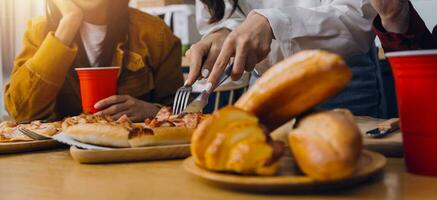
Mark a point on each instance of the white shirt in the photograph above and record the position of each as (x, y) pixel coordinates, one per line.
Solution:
(341, 26)
(92, 37)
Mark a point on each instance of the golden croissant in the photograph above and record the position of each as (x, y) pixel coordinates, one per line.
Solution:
(232, 140)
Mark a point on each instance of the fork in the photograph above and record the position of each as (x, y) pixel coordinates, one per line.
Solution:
(183, 93)
(32, 134)
(181, 99)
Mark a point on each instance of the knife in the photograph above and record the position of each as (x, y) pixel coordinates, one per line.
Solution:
(384, 128)
(201, 101)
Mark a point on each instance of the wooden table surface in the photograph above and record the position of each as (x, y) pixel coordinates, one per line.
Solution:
(54, 175)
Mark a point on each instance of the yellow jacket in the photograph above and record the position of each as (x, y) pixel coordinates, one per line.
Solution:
(44, 84)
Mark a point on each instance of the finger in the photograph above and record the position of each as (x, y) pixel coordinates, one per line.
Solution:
(126, 113)
(221, 62)
(187, 53)
(240, 61)
(251, 62)
(115, 109)
(115, 99)
(207, 66)
(195, 54)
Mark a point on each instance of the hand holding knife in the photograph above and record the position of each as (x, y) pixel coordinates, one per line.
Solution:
(201, 101)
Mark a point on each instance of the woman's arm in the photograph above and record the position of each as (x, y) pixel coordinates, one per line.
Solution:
(204, 53)
(341, 26)
(38, 74)
(40, 69)
(70, 23)
(248, 39)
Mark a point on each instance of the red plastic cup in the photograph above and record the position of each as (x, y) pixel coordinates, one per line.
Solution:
(96, 83)
(415, 74)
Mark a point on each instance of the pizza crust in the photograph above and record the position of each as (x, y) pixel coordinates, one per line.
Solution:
(162, 136)
(99, 134)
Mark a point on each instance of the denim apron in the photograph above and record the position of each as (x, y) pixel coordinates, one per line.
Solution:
(364, 95)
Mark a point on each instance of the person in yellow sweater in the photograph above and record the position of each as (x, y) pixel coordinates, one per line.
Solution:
(78, 33)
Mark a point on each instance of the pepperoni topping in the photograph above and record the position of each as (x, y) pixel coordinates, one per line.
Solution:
(165, 119)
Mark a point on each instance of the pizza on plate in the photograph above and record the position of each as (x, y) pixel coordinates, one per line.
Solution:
(9, 130)
(164, 129)
(164, 118)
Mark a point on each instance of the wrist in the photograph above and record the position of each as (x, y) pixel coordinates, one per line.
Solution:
(267, 27)
(73, 18)
(397, 22)
(150, 109)
(262, 19)
(68, 28)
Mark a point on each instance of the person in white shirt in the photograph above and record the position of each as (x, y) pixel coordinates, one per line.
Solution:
(252, 31)
(278, 28)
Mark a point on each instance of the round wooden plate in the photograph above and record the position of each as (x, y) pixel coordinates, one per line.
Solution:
(289, 178)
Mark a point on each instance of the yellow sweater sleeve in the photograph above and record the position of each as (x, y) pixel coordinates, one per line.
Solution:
(168, 74)
(38, 74)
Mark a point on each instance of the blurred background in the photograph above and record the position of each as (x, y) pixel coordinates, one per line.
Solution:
(178, 14)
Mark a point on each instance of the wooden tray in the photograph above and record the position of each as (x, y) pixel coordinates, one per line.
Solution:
(167, 152)
(289, 179)
(17, 147)
(390, 146)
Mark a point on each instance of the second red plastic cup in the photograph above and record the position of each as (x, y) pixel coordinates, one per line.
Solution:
(415, 75)
(96, 83)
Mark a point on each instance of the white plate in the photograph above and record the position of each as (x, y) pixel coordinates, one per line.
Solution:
(66, 139)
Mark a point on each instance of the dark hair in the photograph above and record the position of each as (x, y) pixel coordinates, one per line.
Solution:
(117, 31)
(217, 8)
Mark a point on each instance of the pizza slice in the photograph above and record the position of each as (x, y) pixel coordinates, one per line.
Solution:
(44, 129)
(104, 131)
(9, 133)
(9, 130)
(184, 120)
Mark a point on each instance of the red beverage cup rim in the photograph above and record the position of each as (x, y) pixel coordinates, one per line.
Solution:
(432, 52)
(95, 68)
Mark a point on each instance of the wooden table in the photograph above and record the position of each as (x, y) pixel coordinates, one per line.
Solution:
(54, 175)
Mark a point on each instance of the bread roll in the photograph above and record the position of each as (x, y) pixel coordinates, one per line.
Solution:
(232, 140)
(326, 145)
(295, 85)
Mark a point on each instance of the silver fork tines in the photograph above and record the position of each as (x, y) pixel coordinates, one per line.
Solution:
(32, 134)
(181, 99)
